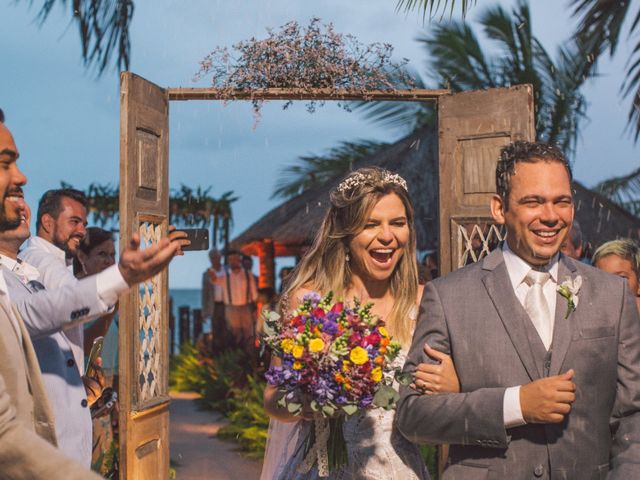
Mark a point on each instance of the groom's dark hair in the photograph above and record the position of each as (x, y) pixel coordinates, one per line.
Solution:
(524, 152)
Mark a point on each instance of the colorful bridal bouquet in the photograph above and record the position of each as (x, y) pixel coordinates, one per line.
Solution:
(337, 360)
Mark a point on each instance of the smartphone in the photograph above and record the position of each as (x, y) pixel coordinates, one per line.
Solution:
(199, 238)
(96, 351)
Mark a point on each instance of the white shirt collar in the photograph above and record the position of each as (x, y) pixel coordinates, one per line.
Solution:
(40, 242)
(518, 268)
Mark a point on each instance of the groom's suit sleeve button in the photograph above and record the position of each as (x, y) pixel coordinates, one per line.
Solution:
(538, 471)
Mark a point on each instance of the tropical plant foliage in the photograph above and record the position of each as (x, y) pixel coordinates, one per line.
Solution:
(623, 190)
(188, 207)
(315, 170)
(431, 8)
(103, 26)
(603, 24)
(458, 60)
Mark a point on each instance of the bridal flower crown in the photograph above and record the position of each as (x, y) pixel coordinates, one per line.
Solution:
(357, 179)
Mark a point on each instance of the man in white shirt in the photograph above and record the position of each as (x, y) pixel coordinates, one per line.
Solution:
(239, 294)
(547, 349)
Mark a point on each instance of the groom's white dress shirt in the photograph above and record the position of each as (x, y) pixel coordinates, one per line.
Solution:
(518, 269)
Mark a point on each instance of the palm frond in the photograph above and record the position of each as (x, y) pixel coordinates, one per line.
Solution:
(408, 116)
(600, 28)
(457, 61)
(623, 190)
(430, 8)
(315, 170)
(103, 26)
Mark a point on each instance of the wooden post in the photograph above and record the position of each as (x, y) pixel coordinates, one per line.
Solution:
(267, 257)
(172, 328)
(196, 314)
(183, 315)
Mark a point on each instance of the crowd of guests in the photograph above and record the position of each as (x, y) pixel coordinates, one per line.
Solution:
(59, 293)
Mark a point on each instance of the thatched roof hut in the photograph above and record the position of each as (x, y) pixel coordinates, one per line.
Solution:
(292, 225)
(289, 229)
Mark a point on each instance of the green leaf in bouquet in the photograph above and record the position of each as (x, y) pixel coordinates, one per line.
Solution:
(350, 409)
(325, 303)
(392, 350)
(270, 323)
(386, 397)
(294, 408)
(328, 410)
(403, 378)
(314, 406)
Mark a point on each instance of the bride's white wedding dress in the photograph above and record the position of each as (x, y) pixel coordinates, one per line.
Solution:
(376, 449)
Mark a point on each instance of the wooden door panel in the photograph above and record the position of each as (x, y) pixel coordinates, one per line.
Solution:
(472, 128)
(144, 310)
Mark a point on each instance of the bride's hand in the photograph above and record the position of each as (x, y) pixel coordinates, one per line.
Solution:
(436, 378)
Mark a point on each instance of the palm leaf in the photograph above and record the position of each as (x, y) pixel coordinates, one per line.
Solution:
(624, 190)
(315, 170)
(430, 8)
(600, 27)
(408, 116)
(103, 26)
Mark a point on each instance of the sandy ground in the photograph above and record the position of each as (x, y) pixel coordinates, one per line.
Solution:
(195, 451)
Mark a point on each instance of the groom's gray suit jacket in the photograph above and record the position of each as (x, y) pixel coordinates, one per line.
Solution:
(474, 315)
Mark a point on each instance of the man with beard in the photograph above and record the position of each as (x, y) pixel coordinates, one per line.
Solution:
(61, 226)
(27, 435)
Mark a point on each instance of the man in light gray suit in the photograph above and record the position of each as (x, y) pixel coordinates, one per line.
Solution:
(547, 349)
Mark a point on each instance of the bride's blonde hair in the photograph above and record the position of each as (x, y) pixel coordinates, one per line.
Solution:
(324, 268)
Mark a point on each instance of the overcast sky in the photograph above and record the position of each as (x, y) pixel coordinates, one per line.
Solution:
(66, 122)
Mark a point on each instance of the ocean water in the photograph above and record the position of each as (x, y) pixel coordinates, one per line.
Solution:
(184, 296)
(189, 297)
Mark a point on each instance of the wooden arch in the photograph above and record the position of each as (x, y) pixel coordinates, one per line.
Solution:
(472, 127)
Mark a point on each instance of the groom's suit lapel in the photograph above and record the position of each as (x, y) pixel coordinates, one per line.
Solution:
(498, 285)
(563, 327)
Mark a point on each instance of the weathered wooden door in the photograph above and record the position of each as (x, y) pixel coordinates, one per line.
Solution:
(144, 311)
(472, 127)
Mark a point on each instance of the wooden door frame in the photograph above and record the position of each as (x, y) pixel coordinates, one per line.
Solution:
(297, 94)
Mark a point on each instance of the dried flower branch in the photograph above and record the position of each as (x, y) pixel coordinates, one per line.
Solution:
(313, 57)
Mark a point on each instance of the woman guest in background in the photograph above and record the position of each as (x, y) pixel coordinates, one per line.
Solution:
(365, 249)
(96, 252)
(622, 258)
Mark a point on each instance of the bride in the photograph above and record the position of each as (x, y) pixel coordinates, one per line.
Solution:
(365, 249)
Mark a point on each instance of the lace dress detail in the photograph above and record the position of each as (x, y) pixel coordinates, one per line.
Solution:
(375, 448)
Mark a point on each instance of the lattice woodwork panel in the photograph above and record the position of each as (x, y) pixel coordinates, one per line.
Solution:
(476, 240)
(149, 359)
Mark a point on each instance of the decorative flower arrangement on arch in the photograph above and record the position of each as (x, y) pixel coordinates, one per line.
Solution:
(304, 58)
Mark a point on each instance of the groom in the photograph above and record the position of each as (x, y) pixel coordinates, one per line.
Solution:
(547, 349)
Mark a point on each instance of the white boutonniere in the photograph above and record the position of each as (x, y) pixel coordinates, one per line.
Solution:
(569, 290)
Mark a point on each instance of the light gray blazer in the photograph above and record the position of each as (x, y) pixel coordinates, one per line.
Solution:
(474, 315)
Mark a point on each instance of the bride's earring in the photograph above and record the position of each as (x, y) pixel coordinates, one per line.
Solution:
(346, 256)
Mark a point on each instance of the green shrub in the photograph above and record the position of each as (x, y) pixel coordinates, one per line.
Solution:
(227, 373)
(188, 370)
(248, 422)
